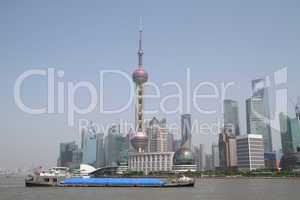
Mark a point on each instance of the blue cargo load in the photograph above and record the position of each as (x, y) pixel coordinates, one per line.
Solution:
(139, 182)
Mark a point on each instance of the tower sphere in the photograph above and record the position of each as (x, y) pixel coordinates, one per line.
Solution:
(139, 141)
(140, 76)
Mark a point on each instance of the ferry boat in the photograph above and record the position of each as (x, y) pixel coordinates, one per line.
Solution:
(47, 178)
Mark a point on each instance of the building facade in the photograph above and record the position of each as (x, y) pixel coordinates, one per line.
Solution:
(290, 133)
(158, 136)
(258, 114)
(208, 162)
(116, 147)
(250, 152)
(100, 154)
(290, 141)
(227, 151)
(199, 157)
(215, 156)
(151, 161)
(231, 116)
(89, 146)
(69, 155)
(186, 130)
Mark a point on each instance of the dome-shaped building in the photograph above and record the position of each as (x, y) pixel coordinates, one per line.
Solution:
(183, 156)
(183, 160)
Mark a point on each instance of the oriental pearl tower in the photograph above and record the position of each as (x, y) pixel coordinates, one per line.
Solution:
(139, 76)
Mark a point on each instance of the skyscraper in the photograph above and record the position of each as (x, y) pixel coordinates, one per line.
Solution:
(231, 116)
(258, 114)
(186, 130)
(215, 156)
(290, 140)
(199, 157)
(158, 136)
(100, 154)
(227, 151)
(171, 142)
(290, 133)
(89, 146)
(116, 146)
(69, 155)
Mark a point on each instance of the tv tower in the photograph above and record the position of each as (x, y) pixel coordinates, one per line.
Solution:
(139, 76)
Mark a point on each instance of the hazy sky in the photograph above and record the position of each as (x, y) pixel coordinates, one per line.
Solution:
(220, 41)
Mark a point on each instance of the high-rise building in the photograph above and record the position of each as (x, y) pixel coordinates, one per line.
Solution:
(171, 142)
(199, 157)
(100, 154)
(258, 114)
(89, 146)
(186, 130)
(231, 116)
(208, 162)
(290, 133)
(290, 140)
(215, 156)
(250, 152)
(227, 151)
(69, 155)
(116, 146)
(158, 136)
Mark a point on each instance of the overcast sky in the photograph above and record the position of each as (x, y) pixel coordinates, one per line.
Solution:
(219, 41)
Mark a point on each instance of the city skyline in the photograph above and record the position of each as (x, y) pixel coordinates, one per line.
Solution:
(84, 53)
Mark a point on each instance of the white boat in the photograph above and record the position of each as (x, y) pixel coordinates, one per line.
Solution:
(50, 177)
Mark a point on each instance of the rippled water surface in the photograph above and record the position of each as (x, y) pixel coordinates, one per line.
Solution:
(205, 189)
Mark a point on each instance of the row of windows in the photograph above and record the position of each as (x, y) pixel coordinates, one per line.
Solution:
(151, 163)
(153, 158)
(149, 166)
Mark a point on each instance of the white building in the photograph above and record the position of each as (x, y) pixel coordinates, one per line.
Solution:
(250, 152)
(158, 136)
(151, 161)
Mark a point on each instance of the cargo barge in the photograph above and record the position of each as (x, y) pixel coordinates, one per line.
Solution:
(109, 182)
(127, 182)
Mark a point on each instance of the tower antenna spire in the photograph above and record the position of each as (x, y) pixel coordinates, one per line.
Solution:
(140, 51)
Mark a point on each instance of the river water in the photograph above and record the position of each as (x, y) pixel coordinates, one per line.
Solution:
(206, 189)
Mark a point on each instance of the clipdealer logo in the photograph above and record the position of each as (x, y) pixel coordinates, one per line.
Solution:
(58, 89)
